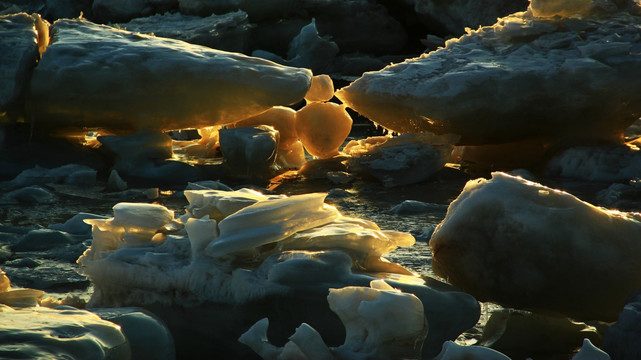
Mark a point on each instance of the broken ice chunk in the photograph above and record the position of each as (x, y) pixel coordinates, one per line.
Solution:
(249, 150)
(322, 128)
(280, 118)
(380, 322)
(321, 90)
(144, 216)
(400, 160)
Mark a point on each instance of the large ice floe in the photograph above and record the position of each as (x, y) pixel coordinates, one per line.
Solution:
(98, 76)
(521, 244)
(236, 257)
(555, 71)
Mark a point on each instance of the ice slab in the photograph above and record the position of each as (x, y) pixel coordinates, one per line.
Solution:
(19, 46)
(488, 85)
(280, 118)
(402, 160)
(249, 151)
(524, 245)
(98, 76)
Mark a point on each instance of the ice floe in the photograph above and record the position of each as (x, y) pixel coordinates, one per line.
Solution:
(488, 85)
(94, 75)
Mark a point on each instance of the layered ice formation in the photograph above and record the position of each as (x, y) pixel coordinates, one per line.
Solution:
(98, 76)
(247, 255)
(534, 74)
(524, 245)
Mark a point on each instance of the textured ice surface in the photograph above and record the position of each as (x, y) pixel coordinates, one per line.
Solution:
(95, 75)
(489, 85)
(516, 242)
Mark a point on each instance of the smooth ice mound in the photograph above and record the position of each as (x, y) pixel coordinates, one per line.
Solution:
(524, 245)
(248, 254)
(489, 86)
(98, 76)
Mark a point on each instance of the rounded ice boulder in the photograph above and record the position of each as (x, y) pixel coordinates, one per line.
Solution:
(525, 245)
